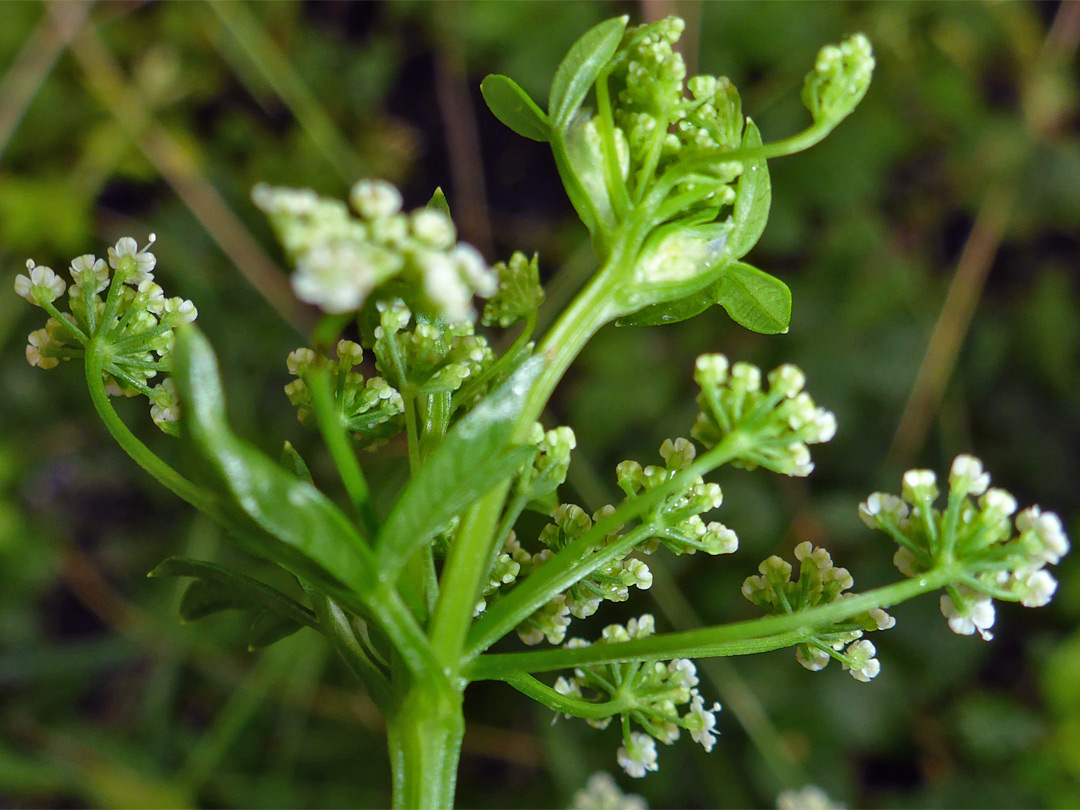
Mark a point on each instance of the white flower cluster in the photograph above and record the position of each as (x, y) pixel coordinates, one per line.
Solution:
(657, 691)
(776, 425)
(602, 793)
(677, 520)
(370, 409)
(133, 319)
(1004, 558)
(819, 583)
(611, 582)
(341, 259)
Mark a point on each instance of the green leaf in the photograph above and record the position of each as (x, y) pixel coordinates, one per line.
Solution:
(273, 614)
(475, 456)
(272, 513)
(582, 65)
(756, 300)
(438, 202)
(512, 105)
(753, 196)
(683, 308)
(294, 462)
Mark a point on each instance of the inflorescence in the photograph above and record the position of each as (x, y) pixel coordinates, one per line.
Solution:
(1001, 557)
(341, 259)
(130, 328)
(647, 695)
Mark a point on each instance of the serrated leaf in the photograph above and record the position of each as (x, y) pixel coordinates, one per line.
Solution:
(754, 299)
(273, 614)
(513, 107)
(439, 202)
(475, 456)
(753, 196)
(580, 68)
(272, 513)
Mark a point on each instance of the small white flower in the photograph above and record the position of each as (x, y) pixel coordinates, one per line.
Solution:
(968, 476)
(165, 407)
(919, 485)
(998, 501)
(601, 793)
(905, 562)
(787, 379)
(445, 288)
(432, 228)
(136, 265)
(299, 360)
(864, 666)
(683, 672)
(700, 722)
(36, 341)
(88, 268)
(472, 267)
(42, 283)
(817, 660)
(881, 505)
(336, 279)
(711, 370)
(882, 619)
(1047, 528)
(638, 756)
(375, 199)
(975, 615)
(746, 376)
(1039, 588)
(722, 540)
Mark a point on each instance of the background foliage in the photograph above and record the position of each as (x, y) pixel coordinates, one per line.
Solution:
(931, 245)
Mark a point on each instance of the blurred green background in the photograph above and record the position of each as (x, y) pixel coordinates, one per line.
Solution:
(931, 244)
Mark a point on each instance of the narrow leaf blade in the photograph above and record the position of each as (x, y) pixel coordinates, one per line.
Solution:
(513, 107)
(228, 588)
(475, 456)
(753, 196)
(580, 68)
(274, 514)
(755, 300)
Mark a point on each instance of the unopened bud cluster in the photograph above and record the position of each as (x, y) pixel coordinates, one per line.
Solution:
(421, 355)
(519, 293)
(610, 582)
(341, 259)
(1003, 553)
(115, 308)
(371, 409)
(774, 426)
(648, 695)
(839, 80)
(677, 522)
(602, 793)
(820, 582)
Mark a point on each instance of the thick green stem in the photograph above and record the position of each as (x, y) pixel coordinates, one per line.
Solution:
(738, 638)
(424, 738)
(463, 575)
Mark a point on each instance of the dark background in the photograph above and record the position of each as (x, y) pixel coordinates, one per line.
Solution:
(931, 244)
